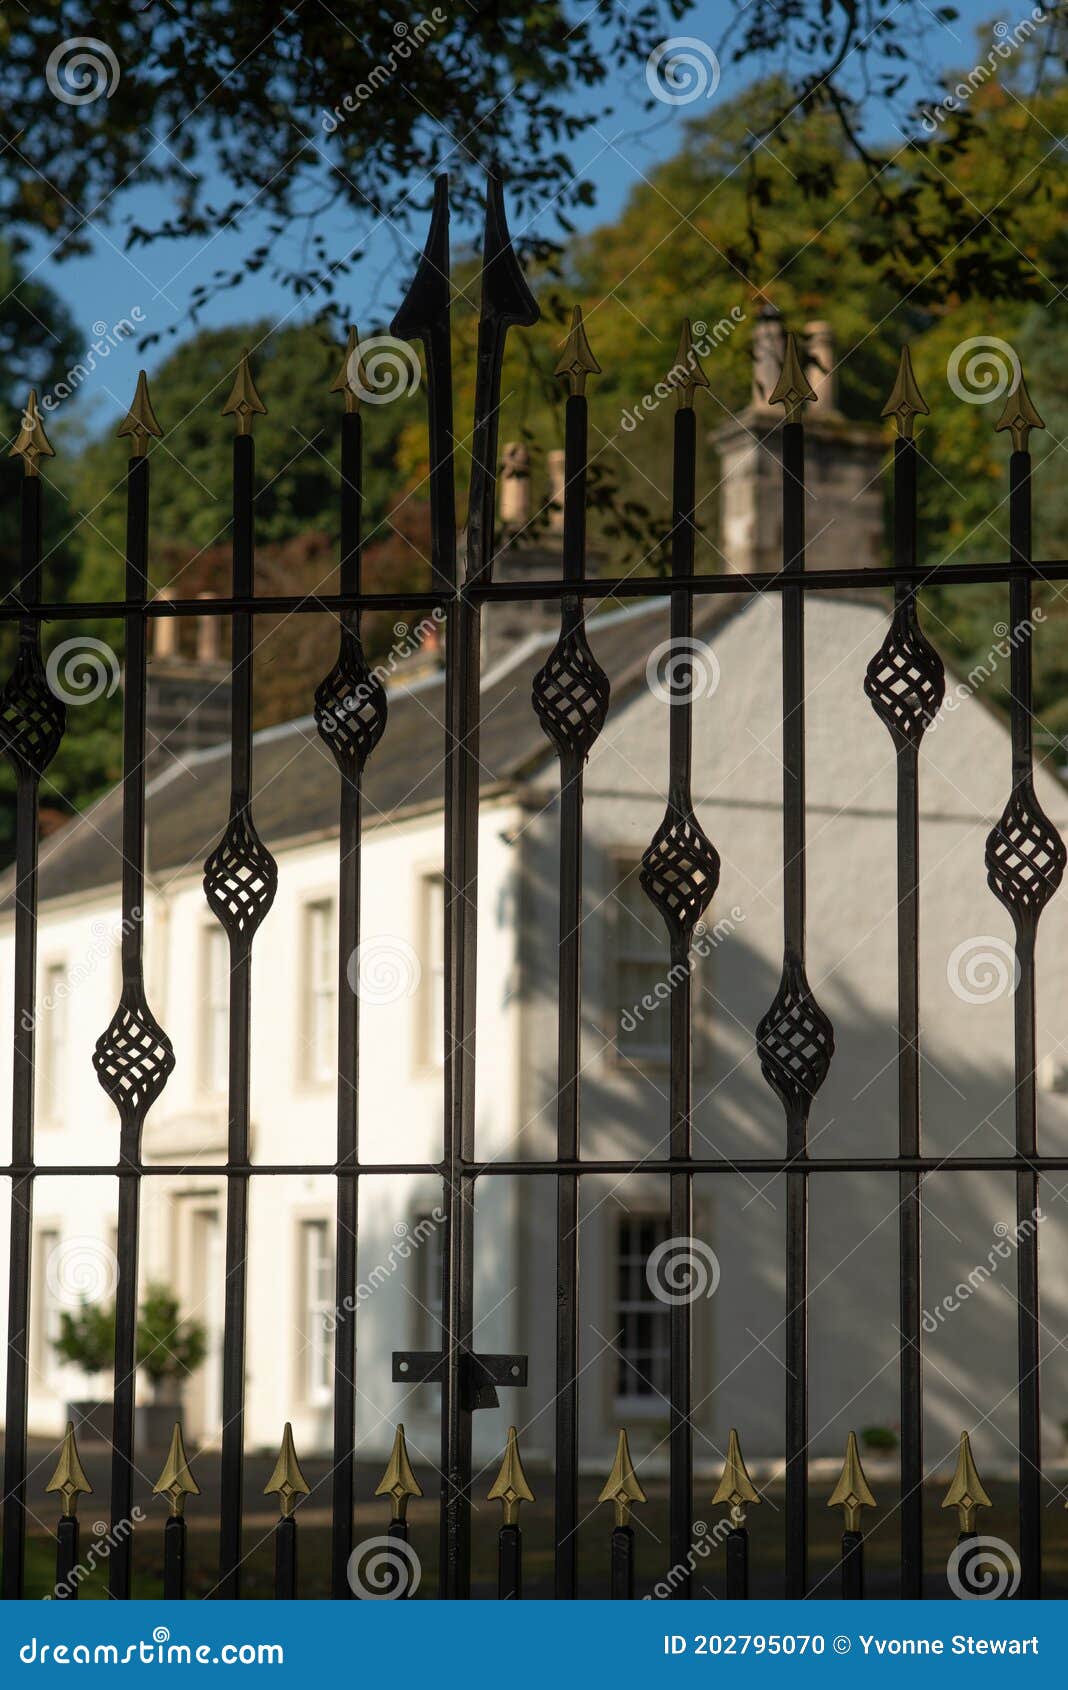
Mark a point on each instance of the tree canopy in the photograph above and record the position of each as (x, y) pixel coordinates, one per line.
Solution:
(691, 241)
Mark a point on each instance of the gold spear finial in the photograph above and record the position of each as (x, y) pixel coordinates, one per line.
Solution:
(140, 421)
(176, 1482)
(735, 1489)
(398, 1481)
(966, 1493)
(510, 1487)
(287, 1480)
(577, 360)
(244, 402)
(686, 358)
(793, 388)
(1020, 415)
(350, 379)
(31, 442)
(852, 1492)
(622, 1487)
(69, 1477)
(906, 402)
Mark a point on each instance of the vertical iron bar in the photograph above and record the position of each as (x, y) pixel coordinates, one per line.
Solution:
(237, 1183)
(622, 1564)
(680, 743)
(285, 1560)
(174, 1559)
(347, 1048)
(793, 688)
(908, 1071)
(852, 1566)
(1026, 1100)
(402, 1565)
(569, 1032)
(133, 881)
(425, 315)
(66, 1558)
(22, 1088)
(509, 1564)
(737, 1564)
(461, 903)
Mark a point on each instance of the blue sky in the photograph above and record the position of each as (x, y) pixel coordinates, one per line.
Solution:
(626, 142)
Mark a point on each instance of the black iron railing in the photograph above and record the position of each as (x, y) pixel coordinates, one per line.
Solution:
(680, 870)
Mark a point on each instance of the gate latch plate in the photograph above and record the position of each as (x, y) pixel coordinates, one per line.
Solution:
(479, 1374)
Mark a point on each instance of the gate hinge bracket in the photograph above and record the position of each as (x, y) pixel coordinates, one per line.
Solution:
(479, 1375)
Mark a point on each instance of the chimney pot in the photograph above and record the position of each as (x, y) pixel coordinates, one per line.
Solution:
(769, 349)
(819, 341)
(165, 643)
(554, 462)
(208, 650)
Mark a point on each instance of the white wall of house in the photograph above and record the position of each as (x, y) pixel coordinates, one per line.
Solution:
(967, 1046)
(294, 1115)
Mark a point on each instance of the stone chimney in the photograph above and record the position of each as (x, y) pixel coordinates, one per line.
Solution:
(188, 696)
(844, 510)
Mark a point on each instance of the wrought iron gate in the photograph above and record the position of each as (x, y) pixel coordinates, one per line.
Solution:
(134, 1059)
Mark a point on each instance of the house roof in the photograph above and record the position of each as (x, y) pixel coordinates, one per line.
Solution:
(295, 780)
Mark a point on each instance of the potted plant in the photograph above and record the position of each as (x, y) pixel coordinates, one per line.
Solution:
(87, 1340)
(169, 1349)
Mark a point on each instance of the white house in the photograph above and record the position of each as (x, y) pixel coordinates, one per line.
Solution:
(967, 1017)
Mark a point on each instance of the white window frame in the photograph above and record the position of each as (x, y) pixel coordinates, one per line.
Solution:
(53, 1036)
(215, 1011)
(318, 1059)
(652, 1404)
(430, 1032)
(315, 1259)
